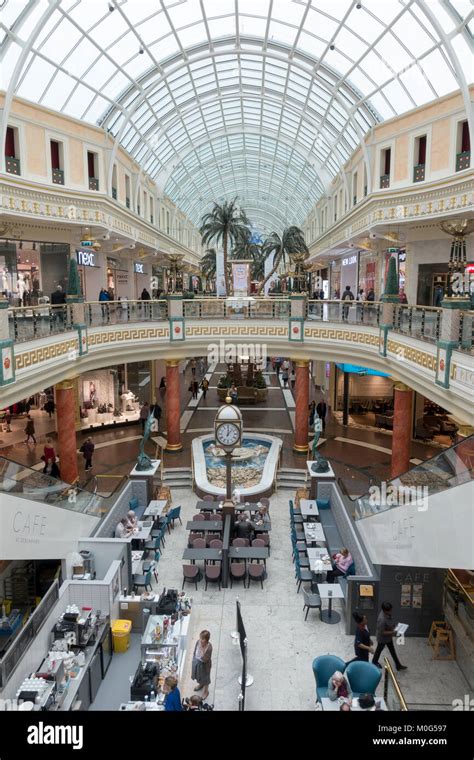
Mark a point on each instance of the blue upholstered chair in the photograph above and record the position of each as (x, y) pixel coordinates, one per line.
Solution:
(351, 570)
(323, 668)
(364, 677)
(133, 503)
(323, 504)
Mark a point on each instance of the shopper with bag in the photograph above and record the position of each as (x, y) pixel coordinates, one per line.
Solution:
(202, 663)
(87, 449)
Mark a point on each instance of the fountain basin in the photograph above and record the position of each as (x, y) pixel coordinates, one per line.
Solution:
(253, 468)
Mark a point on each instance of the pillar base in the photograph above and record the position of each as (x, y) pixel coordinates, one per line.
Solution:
(174, 447)
(300, 449)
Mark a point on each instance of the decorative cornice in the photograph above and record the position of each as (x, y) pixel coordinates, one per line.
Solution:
(398, 207)
(32, 202)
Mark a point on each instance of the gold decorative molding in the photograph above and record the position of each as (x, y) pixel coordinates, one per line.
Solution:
(172, 362)
(399, 386)
(348, 336)
(44, 353)
(138, 333)
(414, 355)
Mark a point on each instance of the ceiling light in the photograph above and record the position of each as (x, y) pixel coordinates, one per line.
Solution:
(359, 6)
(332, 47)
(141, 51)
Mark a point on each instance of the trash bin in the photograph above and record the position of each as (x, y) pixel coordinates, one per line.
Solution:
(121, 634)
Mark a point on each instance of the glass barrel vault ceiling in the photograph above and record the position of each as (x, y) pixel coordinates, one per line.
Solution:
(217, 98)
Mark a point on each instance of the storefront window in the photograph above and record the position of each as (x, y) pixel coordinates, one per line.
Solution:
(30, 271)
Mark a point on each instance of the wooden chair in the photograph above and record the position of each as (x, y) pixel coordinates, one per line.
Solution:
(301, 493)
(441, 635)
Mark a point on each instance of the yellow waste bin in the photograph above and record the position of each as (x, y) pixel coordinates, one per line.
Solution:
(121, 634)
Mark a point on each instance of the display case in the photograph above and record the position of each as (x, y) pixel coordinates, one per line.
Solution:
(165, 645)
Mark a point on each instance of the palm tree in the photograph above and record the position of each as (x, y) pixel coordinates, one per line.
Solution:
(208, 264)
(245, 248)
(281, 248)
(224, 224)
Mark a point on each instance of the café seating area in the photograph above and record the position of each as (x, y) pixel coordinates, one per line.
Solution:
(246, 557)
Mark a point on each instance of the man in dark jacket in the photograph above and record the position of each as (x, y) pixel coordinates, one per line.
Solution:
(87, 449)
(322, 411)
(155, 410)
(58, 299)
(243, 528)
(348, 295)
(385, 632)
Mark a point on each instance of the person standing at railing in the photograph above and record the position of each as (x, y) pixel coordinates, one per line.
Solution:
(58, 299)
(145, 296)
(348, 295)
(403, 296)
(438, 295)
(104, 299)
(360, 295)
(371, 295)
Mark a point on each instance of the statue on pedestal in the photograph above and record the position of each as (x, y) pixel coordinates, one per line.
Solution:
(143, 460)
(320, 463)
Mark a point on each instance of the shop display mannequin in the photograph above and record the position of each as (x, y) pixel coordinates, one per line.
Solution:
(20, 287)
(127, 398)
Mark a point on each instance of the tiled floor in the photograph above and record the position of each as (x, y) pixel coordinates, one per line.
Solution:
(281, 645)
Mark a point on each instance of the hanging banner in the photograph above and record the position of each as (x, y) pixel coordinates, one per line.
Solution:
(268, 268)
(220, 278)
(241, 278)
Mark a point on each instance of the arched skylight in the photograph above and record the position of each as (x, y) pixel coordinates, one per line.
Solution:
(217, 98)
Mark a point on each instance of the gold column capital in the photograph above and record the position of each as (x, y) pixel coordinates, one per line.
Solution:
(65, 385)
(172, 362)
(399, 386)
(301, 362)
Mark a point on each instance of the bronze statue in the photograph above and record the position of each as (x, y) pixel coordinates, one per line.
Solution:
(143, 460)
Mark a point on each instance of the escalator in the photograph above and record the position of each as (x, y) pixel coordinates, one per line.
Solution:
(42, 517)
(424, 517)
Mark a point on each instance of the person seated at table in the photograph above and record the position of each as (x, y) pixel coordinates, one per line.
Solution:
(122, 530)
(243, 528)
(341, 564)
(339, 686)
(262, 514)
(367, 702)
(132, 521)
(173, 697)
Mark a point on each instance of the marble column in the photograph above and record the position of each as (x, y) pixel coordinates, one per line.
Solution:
(66, 427)
(173, 406)
(402, 428)
(302, 401)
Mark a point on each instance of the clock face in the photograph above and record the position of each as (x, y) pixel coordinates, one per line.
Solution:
(227, 434)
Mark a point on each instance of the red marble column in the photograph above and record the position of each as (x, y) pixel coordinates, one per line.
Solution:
(65, 417)
(402, 428)
(173, 406)
(302, 401)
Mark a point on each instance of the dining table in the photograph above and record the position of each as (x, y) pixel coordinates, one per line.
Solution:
(155, 508)
(330, 591)
(309, 509)
(314, 533)
(205, 526)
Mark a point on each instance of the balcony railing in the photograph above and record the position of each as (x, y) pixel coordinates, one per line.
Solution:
(114, 193)
(385, 180)
(93, 183)
(12, 165)
(418, 322)
(58, 177)
(463, 160)
(419, 173)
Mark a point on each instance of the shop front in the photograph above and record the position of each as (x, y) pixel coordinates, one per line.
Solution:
(91, 272)
(368, 275)
(118, 279)
(142, 277)
(335, 279)
(30, 271)
(350, 273)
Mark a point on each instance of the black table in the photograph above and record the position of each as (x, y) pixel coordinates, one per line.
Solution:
(213, 506)
(266, 527)
(205, 525)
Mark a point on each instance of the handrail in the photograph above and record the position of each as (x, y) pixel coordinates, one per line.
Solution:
(390, 676)
(452, 577)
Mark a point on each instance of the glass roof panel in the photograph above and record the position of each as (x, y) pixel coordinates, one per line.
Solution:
(273, 108)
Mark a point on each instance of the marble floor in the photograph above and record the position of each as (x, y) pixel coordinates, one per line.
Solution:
(281, 645)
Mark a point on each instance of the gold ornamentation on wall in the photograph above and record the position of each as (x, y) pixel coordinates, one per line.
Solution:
(414, 355)
(44, 353)
(138, 333)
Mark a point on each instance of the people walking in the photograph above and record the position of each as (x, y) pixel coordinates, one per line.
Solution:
(202, 663)
(362, 642)
(284, 375)
(7, 421)
(385, 634)
(193, 368)
(277, 367)
(292, 379)
(155, 410)
(87, 449)
(145, 296)
(205, 387)
(195, 388)
(30, 430)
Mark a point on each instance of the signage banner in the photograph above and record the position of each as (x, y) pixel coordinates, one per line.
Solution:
(220, 278)
(241, 279)
(139, 267)
(7, 364)
(86, 258)
(349, 273)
